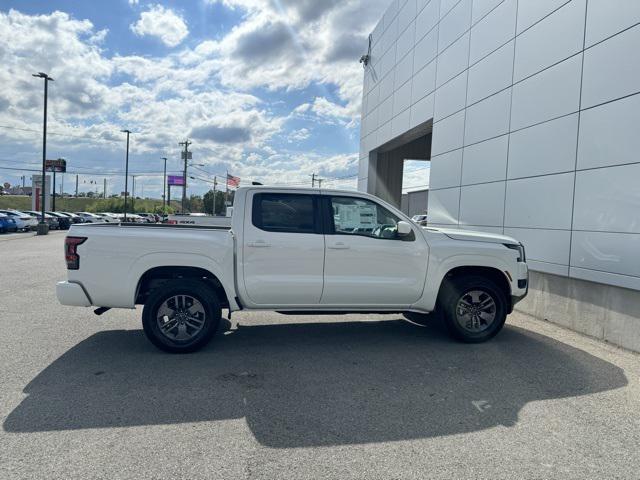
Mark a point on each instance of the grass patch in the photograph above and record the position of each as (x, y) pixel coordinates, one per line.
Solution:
(83, 204)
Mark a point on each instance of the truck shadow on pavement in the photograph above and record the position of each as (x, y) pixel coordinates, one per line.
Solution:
(311, 384)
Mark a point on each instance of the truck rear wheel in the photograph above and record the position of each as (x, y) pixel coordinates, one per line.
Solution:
(181, 316)
(474, 308)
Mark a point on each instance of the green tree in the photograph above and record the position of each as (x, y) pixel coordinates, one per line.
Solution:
(210, 207)
(194, 204)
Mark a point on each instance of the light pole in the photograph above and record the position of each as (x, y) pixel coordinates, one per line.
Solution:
(185, 154)
(133, 194)
(126, 174)
(42, 226)
(164, 187)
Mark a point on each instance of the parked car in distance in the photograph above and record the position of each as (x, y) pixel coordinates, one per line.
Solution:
(74, 218)
(297, 251)
(49, 219)
(64, 222)
(148, 217)
(108, 217)
(23, 220)
(420, 219)
(135, 218)
(7, 224)
(90, 217)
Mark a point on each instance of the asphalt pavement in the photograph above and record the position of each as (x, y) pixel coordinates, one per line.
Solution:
(275, 397)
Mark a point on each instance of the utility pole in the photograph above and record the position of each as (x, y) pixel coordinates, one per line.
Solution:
(104, 188)
(126, 174)
(186, 144)
(76, 186)
(43, 228)
(62, 187)
(313, 180)
(133, 194)
(53, 200)
(215, 184)
(319, 182)
(164, 187)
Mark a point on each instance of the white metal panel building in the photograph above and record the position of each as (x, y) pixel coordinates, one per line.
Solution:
(529, 111)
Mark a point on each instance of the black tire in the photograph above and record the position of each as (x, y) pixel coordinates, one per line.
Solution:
(471, 325)
(209, 317)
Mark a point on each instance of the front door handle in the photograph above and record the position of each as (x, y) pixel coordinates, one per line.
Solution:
(339, 246)
(258, 244)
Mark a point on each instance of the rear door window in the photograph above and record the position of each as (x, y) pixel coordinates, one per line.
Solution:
(285, 212)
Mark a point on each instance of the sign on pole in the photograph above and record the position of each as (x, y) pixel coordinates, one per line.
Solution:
(58, 166)
(189, 156)
(177, 180)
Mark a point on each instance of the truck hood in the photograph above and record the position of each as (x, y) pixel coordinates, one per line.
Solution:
(474, 236)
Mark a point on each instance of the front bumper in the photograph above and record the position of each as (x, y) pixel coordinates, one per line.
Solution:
(72, 294)
(521, 284)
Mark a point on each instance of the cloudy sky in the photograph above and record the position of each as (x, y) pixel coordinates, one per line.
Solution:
(269, 90)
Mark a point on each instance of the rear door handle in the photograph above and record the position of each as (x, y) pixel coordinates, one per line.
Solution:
(339, 246)
(258, 244)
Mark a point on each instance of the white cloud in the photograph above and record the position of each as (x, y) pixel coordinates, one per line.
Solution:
(205, 91)
(415, 175)
(291, 44)
(162, 23)
(328, 109)
(299, 135)
(161, 100)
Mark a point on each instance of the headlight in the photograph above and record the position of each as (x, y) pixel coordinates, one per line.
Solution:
(520, 249)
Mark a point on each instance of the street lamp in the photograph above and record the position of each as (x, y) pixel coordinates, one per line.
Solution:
(126, 174)
(42, 226)
(164, 187)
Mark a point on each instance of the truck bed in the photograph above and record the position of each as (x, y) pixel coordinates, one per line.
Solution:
(115, 256)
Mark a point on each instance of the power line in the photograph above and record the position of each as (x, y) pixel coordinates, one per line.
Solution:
(205, 171)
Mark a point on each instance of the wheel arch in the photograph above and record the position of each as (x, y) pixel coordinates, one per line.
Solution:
(494, 274)
(157, 276)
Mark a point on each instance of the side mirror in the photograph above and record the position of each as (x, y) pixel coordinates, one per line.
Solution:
(403, 228)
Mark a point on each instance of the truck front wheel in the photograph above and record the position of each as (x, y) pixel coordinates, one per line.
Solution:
(474, 308)
(181, 316)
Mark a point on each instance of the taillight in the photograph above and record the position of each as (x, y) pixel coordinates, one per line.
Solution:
(71, 251)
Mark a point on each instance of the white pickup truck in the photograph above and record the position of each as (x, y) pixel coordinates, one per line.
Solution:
(294, 250)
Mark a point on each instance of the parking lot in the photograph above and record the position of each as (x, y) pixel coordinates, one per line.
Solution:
(278, 396)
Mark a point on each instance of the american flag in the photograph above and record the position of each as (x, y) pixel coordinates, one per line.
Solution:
(233, 181)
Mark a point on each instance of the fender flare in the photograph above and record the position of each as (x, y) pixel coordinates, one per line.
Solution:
(173, 259)
(438, 271)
